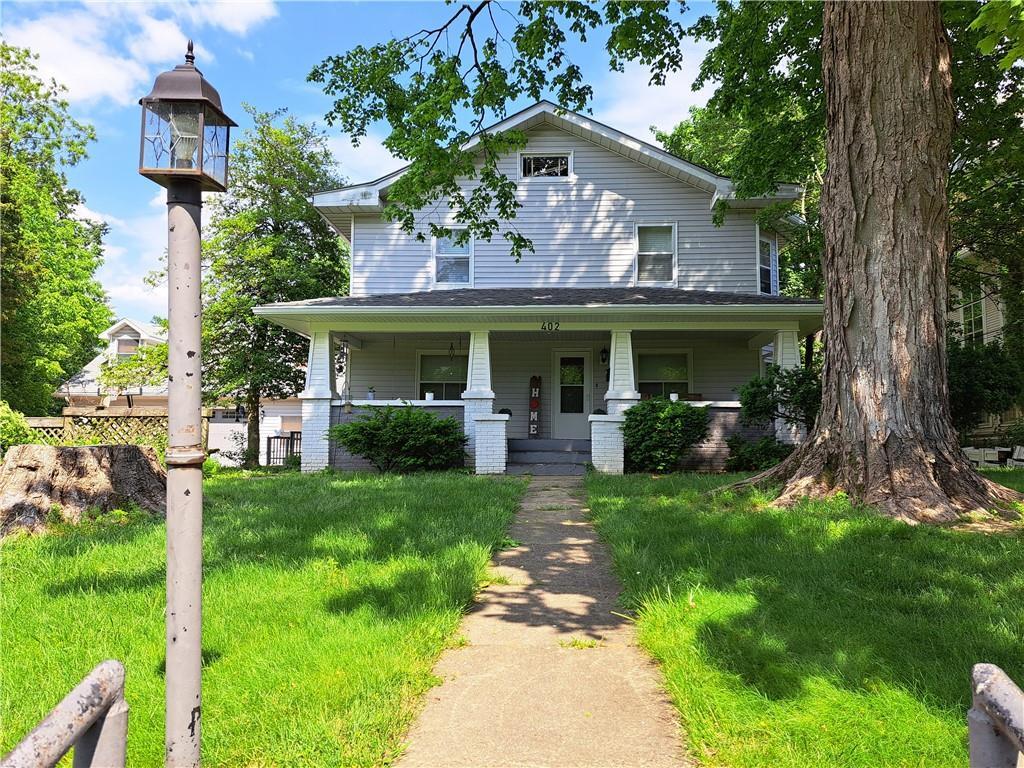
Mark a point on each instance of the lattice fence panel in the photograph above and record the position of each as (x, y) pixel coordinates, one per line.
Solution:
(49, 435)
(119, 430)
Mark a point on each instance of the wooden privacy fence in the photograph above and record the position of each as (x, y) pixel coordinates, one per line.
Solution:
(111, 426)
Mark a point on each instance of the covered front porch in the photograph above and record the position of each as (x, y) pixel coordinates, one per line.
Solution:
(558, 378)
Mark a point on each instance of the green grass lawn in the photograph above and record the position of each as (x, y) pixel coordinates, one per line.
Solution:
(823, 635)
(327, 600)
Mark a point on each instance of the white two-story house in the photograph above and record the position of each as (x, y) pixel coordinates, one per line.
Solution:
(631, 291)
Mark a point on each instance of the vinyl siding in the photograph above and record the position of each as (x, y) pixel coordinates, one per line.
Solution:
(582, 229)
(720, 367)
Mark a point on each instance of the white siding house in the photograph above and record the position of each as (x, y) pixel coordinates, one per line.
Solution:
(631, 291)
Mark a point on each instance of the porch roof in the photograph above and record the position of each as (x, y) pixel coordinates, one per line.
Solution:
(497, 306)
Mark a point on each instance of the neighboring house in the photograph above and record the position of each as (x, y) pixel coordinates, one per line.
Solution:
(278, 418)
(632, 291)
(979, 313)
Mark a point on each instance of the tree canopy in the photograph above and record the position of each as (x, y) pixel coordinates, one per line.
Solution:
(266, 243)
(53, 306)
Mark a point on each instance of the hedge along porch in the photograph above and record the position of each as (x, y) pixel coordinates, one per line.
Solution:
(473, 353)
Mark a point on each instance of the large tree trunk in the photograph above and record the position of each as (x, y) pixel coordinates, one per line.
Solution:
(38, 482)
(252, 430)
(884, 434)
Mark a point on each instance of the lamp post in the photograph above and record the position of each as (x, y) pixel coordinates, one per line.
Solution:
(184, 147)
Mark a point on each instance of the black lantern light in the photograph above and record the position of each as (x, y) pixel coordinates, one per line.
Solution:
(185, 132)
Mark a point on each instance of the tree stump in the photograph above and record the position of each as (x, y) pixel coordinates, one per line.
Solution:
(36, 480)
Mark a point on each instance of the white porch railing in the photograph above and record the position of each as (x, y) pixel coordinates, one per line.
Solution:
(93, 719)
(995, 723)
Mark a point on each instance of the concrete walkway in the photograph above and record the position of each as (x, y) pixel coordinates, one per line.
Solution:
(551, 675)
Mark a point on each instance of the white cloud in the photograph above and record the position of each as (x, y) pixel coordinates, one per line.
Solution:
(625, 100)
(112, 51)
(369, 161)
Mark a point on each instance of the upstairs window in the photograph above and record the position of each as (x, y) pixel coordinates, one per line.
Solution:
(126, 347)
(655, 254)
(659, 374)
(548, 166)
(452, 262)
(973, 314)
(443, 375)
(767, 265)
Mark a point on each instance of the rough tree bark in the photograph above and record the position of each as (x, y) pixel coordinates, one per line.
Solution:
(884, 434)
(36, 480)
(252, 429)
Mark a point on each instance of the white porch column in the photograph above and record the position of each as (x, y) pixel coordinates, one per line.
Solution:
(786, 354)
(621, 394)
(316, 401)
(478, 399)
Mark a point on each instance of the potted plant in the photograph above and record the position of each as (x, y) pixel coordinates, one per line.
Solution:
(370, 393)
(428, 396)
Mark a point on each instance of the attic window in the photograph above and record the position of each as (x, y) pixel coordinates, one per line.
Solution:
(126, 347)
(546, 166)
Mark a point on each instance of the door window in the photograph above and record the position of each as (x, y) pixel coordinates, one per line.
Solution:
(571, 382)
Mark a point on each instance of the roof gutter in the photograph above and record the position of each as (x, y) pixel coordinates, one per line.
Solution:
(568, 309)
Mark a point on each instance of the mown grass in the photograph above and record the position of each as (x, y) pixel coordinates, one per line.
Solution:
(820, 635)
(327, 600)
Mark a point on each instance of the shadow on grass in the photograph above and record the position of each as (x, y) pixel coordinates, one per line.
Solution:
(821, 590)
(418, 523)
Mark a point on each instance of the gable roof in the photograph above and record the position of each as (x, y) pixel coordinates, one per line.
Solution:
(337, 205)
(146, 331)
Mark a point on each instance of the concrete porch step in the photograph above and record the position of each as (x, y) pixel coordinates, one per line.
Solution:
(571, 446)
(575, 470)
(549, 457)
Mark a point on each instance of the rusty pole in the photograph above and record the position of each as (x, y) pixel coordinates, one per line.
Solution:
(185, 457)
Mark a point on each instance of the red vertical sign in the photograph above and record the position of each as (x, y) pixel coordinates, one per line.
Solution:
(534, 423)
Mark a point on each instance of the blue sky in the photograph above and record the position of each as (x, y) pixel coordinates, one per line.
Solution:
(258, 52)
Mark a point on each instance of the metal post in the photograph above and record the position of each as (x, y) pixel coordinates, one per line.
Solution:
(185, 457)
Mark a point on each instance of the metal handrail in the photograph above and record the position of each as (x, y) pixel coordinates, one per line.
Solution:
(93, 719)
(995, 722)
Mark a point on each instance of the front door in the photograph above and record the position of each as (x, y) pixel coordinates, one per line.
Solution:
(571, 395)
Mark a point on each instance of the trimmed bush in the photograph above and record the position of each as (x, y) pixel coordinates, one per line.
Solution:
(658, 433)
(404, 439)
(746, 455)
(14, 429)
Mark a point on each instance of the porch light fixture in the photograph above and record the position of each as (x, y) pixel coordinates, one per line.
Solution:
(183, 146)
(604, 355)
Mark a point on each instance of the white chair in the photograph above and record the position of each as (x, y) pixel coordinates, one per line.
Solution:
(974, 455)
(1017, 459)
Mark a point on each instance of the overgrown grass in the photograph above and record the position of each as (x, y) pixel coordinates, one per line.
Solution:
(821, 635)
(327, 600)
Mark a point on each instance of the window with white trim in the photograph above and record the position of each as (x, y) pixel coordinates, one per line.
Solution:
(659, 374)
(551, 165)
(655, 253)
(453, 262)
(767, 265)
(443, 374)
(972, 313)
(127, 346)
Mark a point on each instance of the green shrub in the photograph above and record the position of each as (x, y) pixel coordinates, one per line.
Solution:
(746, 455)
(657, 434)
(1013, 435)
(983, 379)
(403, 439)
(293, 462)
(210, 467)
(790, 394)
(14, 429)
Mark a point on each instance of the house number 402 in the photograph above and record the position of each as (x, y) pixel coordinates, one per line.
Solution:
(550, 325)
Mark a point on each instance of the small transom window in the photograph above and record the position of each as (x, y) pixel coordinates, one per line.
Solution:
(662, 373)
(655, 255)
(546, 166)
(452, 261)
(443, 375)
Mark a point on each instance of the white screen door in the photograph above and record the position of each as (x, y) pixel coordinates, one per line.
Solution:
(571, 395)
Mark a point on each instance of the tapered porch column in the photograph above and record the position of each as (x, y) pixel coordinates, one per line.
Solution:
(621, 394)
(316, 401)
(478, 399)
(786, 354)
(606, 445)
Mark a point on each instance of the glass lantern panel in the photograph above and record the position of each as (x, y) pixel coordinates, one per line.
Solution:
(215, 148)
(171, 136)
